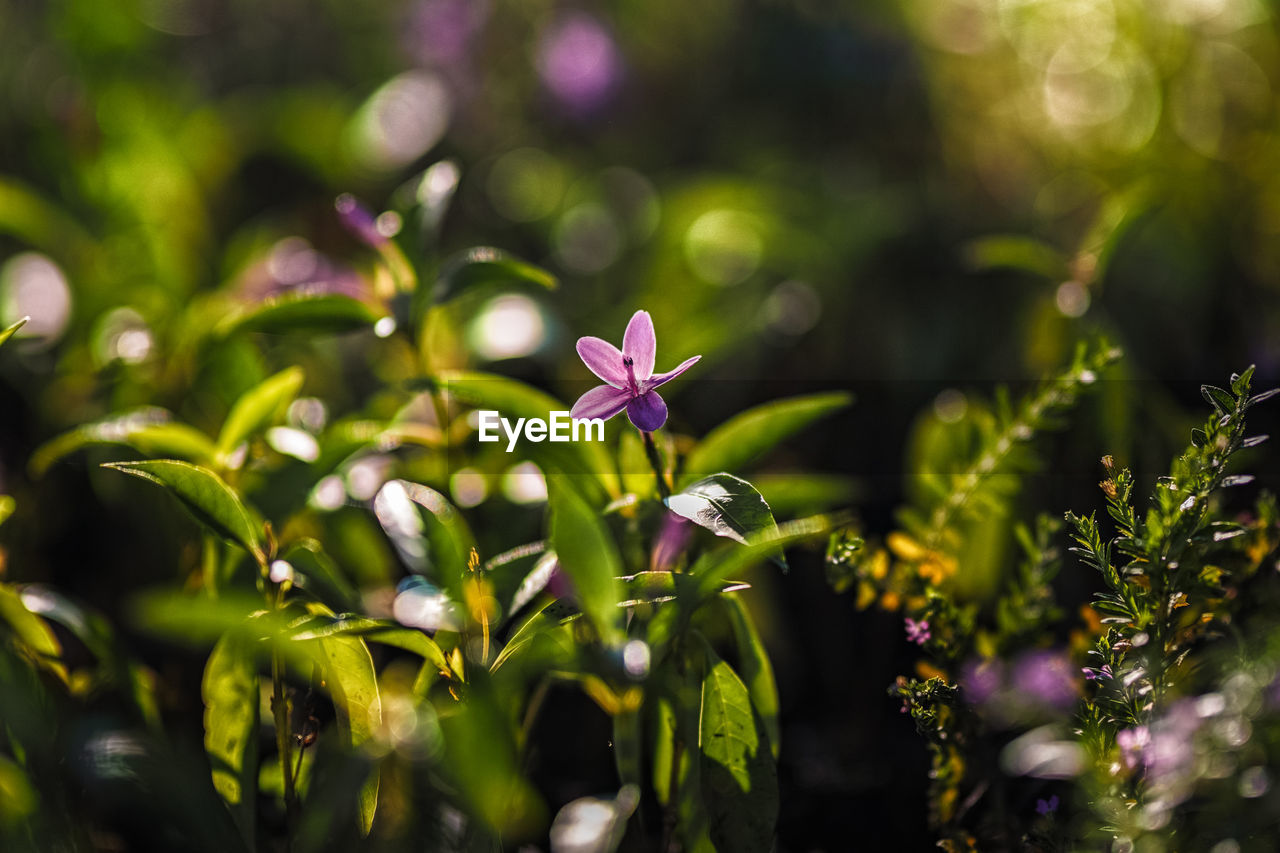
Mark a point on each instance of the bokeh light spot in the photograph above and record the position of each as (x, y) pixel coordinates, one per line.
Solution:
(32, 285)
(724, 246)
(526, 185)
(402, 120)
(587, 239)
(508, 326)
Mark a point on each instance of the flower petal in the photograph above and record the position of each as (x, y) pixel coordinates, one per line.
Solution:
(641, 344)
(604, 360)
(602, 401)
(648, 411)
(659, 378)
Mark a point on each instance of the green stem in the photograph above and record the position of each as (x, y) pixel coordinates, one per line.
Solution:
(280, 712)
(655, 462)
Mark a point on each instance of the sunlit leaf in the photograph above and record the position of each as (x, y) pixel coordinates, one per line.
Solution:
(789, 494)
(446, 531)
(231, 699)
(726, 505)
(206, 497)
(33, 633)
(1026, 254)
(316, 573)
(484, 265)
(150, 430)
(754, 667)
(9, 332)
(738, 777)
(587, 554)
(348, 673)
(7, 506)
(748, 435)
(258, 408)
(327, 313)
(712, 568)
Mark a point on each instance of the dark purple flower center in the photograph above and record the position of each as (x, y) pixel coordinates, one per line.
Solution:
(629, 363)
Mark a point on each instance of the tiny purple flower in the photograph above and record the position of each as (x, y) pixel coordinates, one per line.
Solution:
(1091, 674)
(630, 375)
(1044, 808)
(918, 632)
(673, 538)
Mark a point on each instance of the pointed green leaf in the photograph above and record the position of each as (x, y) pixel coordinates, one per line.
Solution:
(211, 501)
(258, 408)
(726, 505)
(9, 332)
(150, 430)
(755, 668)
(484, 265)
(738, 777)
(587, 554)
(1220, 400)
(328, 313)
(231, 698)
(35, 634)
(712, 568)
(1006, 251)
(748, 435)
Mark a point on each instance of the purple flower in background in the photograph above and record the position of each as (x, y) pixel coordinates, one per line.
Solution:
(359, 220)
(578, 61)
(440, 32)
(918, 632)
(1132, 742)
(1044, 808)
(1046, 678)
(630, 375)
(982, 679)
(673, 538)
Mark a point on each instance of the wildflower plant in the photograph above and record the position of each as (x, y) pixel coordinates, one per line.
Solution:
(1153, 727)
(375, 667)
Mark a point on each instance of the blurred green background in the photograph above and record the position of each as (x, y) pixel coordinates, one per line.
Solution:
(913, 201)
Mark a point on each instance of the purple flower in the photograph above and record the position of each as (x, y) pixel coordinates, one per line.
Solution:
(982, 679)
(1091, 674)
(918, 632)
(1044, 808)
(673, 538)
(579, 62)
(1132, 742)
(630, 375)
(1046, 678)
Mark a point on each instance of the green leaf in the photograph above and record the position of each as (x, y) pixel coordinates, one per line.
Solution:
(755, 668)
(316, 573)
(1019, 253)
(35, 634)
(485, 265)
(383, 631)
(712, 568)
(513, 399)
(205, 496)
(748, 435)
(7, 506)
(347, 669)
(257, 408)
(9, 332)
(231, 699)
(738, 777)
(726, 505)
(1219, 399)
(328, 313)
(587, 554)
(657, 587)
(793, 494)
(149, 430)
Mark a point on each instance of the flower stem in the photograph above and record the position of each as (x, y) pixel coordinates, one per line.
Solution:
(655, 462)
